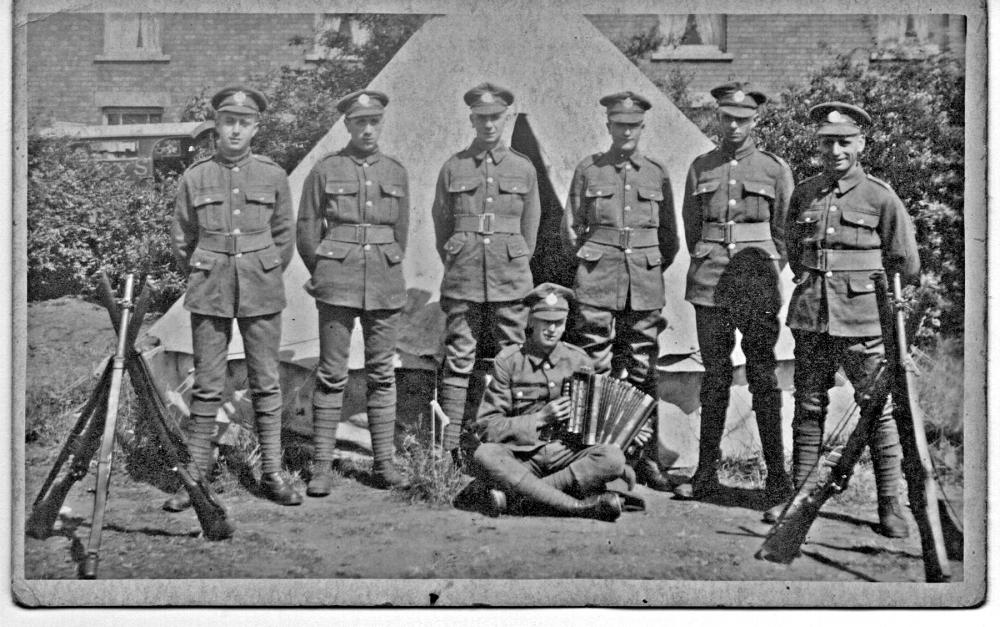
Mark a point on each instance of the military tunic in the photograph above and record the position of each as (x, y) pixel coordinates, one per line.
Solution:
(840, 231)
(834, 292)
(232, 232)
(486, 214)
(509, 420)
(352, 233)
(352, 230)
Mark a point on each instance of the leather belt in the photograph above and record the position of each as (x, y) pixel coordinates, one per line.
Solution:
(362, 233)
(731, 232)
(234, 243)
(487, 223)
(831, 260)
(623, 238)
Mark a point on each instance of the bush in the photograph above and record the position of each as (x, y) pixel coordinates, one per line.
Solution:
(82, 217)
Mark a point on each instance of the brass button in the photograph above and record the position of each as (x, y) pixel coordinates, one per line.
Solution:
(236, 231)
(486, 240)
(829, 274)
(368, 246)
(627, 208)
(490, 199)
(831, 230)
(734, 163)
(368, 182)
(236, 190)
(732, 181)
(628, 166)
(731, 246)
(489, 179)
(238, 255)
(236, 212)
(833, 207)
(628, 250)
(732, 202)
(628, 187)
(236, 168)
(368, 203)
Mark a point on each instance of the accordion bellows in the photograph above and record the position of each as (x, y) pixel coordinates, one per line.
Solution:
(606, 410)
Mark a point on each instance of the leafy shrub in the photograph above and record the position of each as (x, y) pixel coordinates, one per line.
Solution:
(82, 217)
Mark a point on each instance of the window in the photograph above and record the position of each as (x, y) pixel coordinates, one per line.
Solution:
(910, 36)
(333, 33)
(692, 37)
(137, 115)
(132, 37)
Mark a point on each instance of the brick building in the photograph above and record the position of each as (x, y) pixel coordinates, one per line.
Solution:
(113, 68)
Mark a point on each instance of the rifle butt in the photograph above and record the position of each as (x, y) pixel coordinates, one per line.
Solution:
(784, 542)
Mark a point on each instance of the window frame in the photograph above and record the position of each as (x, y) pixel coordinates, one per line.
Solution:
(694, 52)
(115, 51)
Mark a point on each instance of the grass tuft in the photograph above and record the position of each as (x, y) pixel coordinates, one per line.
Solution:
(433, 476)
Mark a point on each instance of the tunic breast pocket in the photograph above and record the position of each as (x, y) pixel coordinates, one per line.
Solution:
(598, 199)
(758, 198)
(259, 208)
(650, 198)
(210, 206)
(342, 201)
(704, 192)
(512, 191)
(808, 225)
(463, 195)
(388, 210)
(859, 228)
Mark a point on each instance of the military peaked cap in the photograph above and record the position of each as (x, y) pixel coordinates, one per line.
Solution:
(549, 301)
(735, 100)
(839, 119)
(239, 99)
(625, 106)
(487, 98)
(364, 102)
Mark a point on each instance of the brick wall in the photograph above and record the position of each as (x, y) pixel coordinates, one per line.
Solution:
(207, 51)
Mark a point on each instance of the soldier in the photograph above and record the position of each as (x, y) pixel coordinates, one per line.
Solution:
(352, 229)
(620, 223)
(842, 226)
(232, 234)
(518, 419)
(735, 201)
(486, 214)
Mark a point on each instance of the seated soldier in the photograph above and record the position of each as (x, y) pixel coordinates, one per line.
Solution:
(521, 456)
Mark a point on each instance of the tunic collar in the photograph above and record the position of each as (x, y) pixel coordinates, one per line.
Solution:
(849, 180)
(537, 357)
(232, 163)
(742, 151)
(619, 159)
(479, 153)
(361, 157)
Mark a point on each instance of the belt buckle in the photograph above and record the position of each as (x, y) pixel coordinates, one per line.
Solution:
(361, 233)
(821, 260)
(728, 232)
(624, 237)
(486, 223)
(231, 241)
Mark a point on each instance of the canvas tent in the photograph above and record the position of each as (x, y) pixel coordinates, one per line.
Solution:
(558, 65)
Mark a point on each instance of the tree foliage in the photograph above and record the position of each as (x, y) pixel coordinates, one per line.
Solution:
(84, 217)
(916, 144)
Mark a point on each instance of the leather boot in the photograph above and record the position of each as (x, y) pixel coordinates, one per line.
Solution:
(382, 427)
(276, 489)
(198, 438)
(891, 522)
(703, 485)
(453, 397)
(321, 483)
(705, 482)
(647, 466)
(767, 410)
(807, 435)
(606, 506)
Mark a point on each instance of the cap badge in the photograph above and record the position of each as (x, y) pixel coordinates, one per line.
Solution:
(364, 100)
(739, 96)
(240, 98)
(486, 98)
(835, 117)
(551, 299)
(628, 103)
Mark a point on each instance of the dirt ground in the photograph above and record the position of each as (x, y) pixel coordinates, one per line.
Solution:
(359, 532)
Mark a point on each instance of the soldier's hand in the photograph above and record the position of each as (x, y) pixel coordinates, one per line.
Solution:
(628, 474)
(556, 410)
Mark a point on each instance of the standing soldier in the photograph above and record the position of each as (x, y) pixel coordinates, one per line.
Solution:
(844, 225)
(352, 228)
(486, 214)
(620, 223)
(232, 233)
(735, 201)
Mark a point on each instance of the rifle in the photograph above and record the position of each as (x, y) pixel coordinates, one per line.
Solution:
(95, 429)
(833, 470)
(926, 503)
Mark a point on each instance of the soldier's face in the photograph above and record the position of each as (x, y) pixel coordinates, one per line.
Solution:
(625, 135)
(546, 333)
(365, 131)
(840, 154)
(235, 132)
(734, 130)
(489, 126)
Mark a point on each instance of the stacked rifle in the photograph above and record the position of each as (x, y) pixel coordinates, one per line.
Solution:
(94, 432)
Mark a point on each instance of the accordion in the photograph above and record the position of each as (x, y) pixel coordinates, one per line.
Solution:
(606, 410)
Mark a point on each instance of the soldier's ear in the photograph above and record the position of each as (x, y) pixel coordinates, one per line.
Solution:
(861, 143)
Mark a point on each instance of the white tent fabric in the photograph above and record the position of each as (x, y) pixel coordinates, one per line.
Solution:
(558, 65)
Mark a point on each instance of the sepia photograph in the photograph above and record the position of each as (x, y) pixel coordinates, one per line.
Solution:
(645, 304)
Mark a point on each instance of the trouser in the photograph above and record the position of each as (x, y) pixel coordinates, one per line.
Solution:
(380, 329)
(716, 339)
(465, 323)
(210, 337)
(817, 356)
(575, 472)
(623, 341)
